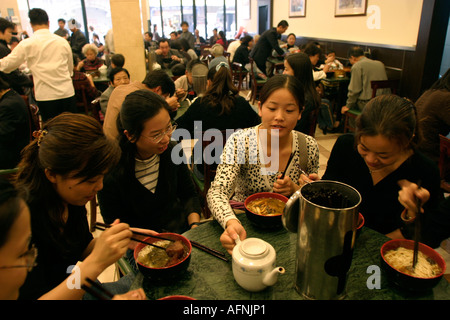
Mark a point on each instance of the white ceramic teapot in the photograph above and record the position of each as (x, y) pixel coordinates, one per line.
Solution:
(254, 264)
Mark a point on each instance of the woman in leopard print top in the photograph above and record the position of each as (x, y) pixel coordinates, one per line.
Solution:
(252, 161)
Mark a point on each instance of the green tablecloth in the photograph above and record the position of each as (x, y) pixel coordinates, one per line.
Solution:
(209, 278)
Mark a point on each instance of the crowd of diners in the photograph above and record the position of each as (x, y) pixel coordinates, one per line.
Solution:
(127, 160)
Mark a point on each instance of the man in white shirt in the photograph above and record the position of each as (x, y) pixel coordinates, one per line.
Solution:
(49, 58)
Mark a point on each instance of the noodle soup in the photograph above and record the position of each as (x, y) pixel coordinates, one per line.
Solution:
(401, 259)
(153, 257)
(266, 206)
(397, 258)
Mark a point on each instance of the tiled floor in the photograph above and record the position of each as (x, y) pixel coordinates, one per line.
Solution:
(325, 143)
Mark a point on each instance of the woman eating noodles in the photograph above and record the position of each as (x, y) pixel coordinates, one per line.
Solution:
(63, 169)
(380, 154)
(254, 158)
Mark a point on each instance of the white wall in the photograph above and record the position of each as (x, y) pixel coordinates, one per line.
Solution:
(388, 22)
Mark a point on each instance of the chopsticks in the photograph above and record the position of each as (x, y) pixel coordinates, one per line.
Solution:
(212, 252)
(136, 232)
(217, 254)
(103, 227)
(417, 229)
(97, 290)
(287, 166)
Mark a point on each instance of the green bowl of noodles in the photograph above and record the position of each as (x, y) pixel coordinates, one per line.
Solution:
(264, 209)
(397, 257)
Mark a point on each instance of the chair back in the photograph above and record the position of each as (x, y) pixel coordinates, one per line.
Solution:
(254, 83)
(209, 168)
(444, 162)
(384, 84)
(33, 112)
(82, 102)
(238, 74)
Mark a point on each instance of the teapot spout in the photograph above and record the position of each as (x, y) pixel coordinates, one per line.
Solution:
(271, 278)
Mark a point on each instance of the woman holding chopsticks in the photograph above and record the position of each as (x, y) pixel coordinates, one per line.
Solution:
(63, 169)
(265, 158)
(147, 189)
(378, 158)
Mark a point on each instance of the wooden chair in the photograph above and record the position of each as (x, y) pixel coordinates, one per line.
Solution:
(375, 85)
(255, 83)
(82, 102)
(444, 162)
(33, 112)
(209, 171)
(239, 74)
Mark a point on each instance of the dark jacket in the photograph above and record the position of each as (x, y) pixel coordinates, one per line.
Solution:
(125, 198)
(77, 41)
(14, 129)
(242, 55)
(263, 48)
(16, 79)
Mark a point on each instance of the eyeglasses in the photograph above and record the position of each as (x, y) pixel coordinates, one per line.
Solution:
(159, 136)
(30, 260)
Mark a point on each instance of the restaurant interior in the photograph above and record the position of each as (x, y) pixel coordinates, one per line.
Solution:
(411, 38)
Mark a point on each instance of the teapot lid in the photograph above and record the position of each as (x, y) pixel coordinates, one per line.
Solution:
(254, 248)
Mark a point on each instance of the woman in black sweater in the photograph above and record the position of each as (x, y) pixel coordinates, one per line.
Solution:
(221, 108)
(149, 188)
(377, 159)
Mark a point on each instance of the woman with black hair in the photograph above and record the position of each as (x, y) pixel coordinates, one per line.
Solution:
(433, 111)
(63, 169)
(377, 158)
(147, 189)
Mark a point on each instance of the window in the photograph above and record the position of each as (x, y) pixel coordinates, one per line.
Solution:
(204, 15)
(98, 14)
(171, 17)
(188, 13)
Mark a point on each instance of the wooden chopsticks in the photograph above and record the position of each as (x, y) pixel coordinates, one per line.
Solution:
(97, 290)
(287, 166)
(103, 227)
(212, 252)
(215, 253)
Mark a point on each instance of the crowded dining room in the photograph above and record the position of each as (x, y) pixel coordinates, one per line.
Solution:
(233, 153)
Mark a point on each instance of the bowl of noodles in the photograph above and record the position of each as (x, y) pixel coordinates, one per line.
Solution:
(163, 265)
(397, 257)
(264, 209)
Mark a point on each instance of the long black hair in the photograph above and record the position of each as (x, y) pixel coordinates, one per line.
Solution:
(137, 108)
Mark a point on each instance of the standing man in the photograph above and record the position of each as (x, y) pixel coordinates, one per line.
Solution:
(77, 40)
(364, 70)
(62, 31)
(186, 34)
(266, 43)
(49, 58)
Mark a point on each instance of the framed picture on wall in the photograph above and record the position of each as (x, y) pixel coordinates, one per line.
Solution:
(297, 8)
(350, 8)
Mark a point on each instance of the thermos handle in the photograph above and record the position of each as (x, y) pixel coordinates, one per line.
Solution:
(291, 212)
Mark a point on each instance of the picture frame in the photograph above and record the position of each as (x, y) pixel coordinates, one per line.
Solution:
(297, 8)
(350, 8)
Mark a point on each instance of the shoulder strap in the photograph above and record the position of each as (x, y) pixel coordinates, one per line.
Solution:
(303, 150)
